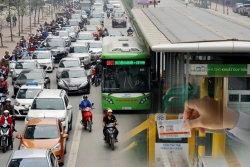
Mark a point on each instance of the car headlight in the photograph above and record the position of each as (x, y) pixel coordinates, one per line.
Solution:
(62, 119)
(84, 84)
(22, 147)
(57, 147)
(16, 86)
(61, 83)
(49, 62)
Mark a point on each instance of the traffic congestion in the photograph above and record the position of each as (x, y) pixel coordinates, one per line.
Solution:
(52, 81)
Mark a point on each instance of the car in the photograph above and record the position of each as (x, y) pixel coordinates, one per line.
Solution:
(115, 33)
(95, 22)
(81, 51)
(93, 29)
(25, 96)
(244, 9)
(53, 103)
(95, 48)
(46, 133)
(96, 5)
(58, 48)
(236, 7)
(74, 62)
(72, 32)
(31, 75)
(110, 7)
(75, 23)
(65, 35)
(44, 59)
(97, 15)
(76, 16)
(23, 64)
(85, 36)
(74, 80)
(29, 157)
(119, 19)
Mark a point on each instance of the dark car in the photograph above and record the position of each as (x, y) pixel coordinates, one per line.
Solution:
(74, 80)
(32, 75)
(58, 47)
(115, 33)
(119, 19)
(236, 7)
(68, 63)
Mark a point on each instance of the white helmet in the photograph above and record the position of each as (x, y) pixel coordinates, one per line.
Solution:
(8, 99)
(6, 112)
(110, 110)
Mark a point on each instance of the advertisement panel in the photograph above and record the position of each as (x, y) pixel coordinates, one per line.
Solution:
(171, 155)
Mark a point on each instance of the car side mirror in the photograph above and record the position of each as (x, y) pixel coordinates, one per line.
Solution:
(92, 104)
(69, 107)
(18, 136)
(26, 106)
(65, 135)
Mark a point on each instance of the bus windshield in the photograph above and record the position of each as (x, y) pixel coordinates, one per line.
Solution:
(120, 79)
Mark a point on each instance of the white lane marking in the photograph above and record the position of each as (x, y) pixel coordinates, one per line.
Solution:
(75, 143)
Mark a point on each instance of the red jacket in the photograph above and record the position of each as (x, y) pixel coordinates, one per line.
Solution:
(4, 83)
(9, 119)
(32, 48)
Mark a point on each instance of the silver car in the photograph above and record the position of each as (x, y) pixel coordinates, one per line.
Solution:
(72, 32)
(33, 157)
(64, 35)
(95, 48)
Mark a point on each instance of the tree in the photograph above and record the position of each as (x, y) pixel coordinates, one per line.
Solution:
(3, 15)
(24, 11)
(40, 5)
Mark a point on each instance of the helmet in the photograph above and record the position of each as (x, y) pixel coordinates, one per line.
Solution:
(6, 112)
(84, 96)
(8, 100)
(1, 78)
(110, 110)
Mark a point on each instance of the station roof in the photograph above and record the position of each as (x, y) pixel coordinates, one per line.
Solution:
(178, 25)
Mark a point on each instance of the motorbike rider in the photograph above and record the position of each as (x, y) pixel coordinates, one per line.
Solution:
(31, 48)
(26, 55)
(22, 38)
(44, 34)
(11, 110)
(97, 70)
(108, 13)
(83, 104)
(130, 30)
(5, 61)
(25, 52)
(3, 85)
(109, 118)
(13, 57)
(7, 118)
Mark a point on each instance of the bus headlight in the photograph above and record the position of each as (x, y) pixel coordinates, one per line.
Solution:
(108, 99)
(143, 100)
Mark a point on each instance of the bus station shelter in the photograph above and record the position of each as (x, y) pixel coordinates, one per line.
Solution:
(195, 52)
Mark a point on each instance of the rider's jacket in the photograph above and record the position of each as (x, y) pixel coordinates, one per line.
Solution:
(84, 104)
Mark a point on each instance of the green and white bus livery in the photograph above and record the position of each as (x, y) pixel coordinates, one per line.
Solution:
(125, 74)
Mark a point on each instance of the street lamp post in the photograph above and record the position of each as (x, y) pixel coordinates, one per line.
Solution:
(30, 16)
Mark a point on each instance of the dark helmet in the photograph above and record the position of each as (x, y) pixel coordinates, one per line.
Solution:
(84, 96)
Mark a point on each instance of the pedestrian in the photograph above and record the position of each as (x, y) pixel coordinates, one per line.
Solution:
(186, 2)
(14, 19)
(8, 19)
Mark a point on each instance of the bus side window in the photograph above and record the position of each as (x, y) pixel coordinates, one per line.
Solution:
(234, 98)
(245, 98)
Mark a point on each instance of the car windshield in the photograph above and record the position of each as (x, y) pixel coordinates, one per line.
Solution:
(78, 49)
(27, 93)
(118, 15)
(115, 33)
(69, 63)
(62, 34)
(90, 28)
(247, 6)
(97, 4)
(29, 162)
(41, 55)
(85, 36)
(93, 22)
(110, 5)
(41, 132)
(25, 65)
(48, 104)
(97, 15)
(55, 44)
(30, 75)
(75, 16)
(70, 29)
(73, 23)
(95, 45)
(126, 78)
(73, 74)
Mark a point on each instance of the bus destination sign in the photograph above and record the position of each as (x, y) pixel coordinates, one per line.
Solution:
(125, 62)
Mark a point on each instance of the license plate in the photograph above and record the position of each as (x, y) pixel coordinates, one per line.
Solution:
(72, 88)
(127, 108)
(25, 111)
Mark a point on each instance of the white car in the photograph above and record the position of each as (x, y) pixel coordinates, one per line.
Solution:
(81, 51)
(25, 96)
(52, 103)
(85, 37)
(95, 48)
(45, 60)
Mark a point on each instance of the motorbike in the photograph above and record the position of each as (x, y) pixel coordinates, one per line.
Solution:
(4, 132)
(110, 133)
(12, 66)
(130, 34)
(108, 14)
(87, 123)
(3, 97)
(97, 80)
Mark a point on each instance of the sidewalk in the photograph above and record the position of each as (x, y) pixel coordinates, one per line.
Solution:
(10, 45)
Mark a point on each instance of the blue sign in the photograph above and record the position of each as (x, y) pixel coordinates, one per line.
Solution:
(31, 83)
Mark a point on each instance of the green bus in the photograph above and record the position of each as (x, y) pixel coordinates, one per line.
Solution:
(125, 74)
